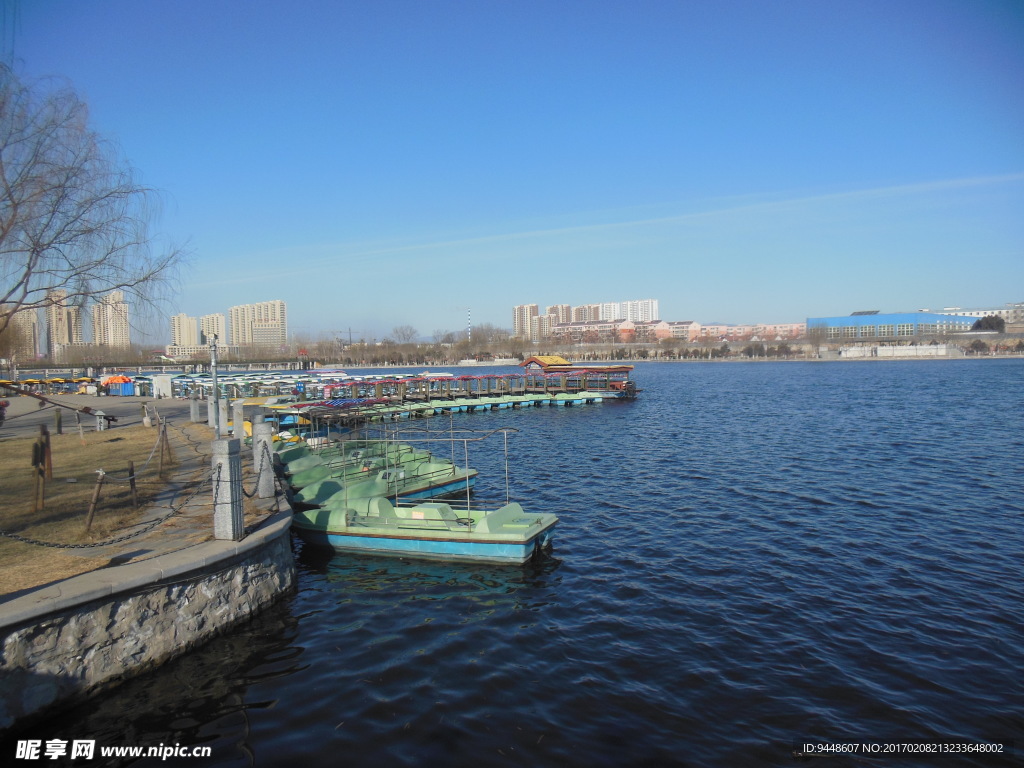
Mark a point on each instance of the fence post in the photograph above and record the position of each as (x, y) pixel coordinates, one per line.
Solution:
(210, 405)
(160, 440)
(39, 472)
(237, 417)
(223, 416)
(228, 522)
(193, 408)
(44, 438)
(131, 483)
(263, 456)
(95, 499)
(58, 418)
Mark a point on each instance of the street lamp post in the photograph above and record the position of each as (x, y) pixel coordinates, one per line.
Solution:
(216, 389)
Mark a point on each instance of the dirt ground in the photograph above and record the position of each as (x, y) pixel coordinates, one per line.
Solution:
(61, 515)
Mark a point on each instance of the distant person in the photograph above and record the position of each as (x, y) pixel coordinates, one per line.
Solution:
(3, 410)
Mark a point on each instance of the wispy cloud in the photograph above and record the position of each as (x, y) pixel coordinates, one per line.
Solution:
(312, 260)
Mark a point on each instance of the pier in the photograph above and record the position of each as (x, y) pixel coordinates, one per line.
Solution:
(392, 398)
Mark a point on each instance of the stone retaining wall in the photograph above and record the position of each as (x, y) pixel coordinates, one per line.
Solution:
(83, 635)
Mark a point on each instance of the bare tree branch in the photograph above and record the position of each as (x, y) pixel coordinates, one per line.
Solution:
(72, 215)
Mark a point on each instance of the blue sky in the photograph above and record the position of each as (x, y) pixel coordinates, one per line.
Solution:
(383, 163)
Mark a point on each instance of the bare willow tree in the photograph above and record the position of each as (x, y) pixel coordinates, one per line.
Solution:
(72, 215)
(404, 334)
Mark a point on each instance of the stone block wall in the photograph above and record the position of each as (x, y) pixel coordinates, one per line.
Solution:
(75, 651)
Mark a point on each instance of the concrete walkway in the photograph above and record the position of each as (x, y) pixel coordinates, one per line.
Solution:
(25, 414)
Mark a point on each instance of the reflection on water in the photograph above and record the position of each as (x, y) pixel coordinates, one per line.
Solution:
(197, 699)
(352, 575)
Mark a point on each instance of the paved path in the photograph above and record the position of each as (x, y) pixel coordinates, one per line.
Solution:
(25, 414)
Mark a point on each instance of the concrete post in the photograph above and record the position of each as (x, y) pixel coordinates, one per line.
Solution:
(228, 522)
(193, 408)
(263, 456)
(237, 417)
(209, 411)
(223, 416)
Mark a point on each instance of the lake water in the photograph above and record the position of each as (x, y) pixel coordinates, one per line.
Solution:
(750, 554)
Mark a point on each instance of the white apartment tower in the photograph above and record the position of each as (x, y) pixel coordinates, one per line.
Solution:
(540, 326)
(213, 325)
(264, 324)
(524, 316)
(639, 310)
(25, 327)
(110, 321)
(63, 324)
(184, 331)
(521, 320)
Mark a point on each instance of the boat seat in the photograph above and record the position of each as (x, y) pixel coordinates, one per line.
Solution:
(503, 517)
(374, 510)
(433, 514)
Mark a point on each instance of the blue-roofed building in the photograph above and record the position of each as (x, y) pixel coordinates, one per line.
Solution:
(898, 325)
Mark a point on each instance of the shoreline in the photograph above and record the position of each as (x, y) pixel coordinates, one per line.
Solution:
(634, 361)
(229, 368)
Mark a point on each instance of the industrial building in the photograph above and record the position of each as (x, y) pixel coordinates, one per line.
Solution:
(875, 325)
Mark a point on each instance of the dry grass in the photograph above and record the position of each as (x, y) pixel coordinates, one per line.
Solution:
(67, 497)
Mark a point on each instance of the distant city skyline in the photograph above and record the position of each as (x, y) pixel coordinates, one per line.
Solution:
(61, 329)
(529, 323)
(264, 323)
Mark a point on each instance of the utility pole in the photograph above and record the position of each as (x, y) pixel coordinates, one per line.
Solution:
(216, 389)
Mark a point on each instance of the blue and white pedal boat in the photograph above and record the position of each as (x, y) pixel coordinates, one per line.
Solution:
(431, 530)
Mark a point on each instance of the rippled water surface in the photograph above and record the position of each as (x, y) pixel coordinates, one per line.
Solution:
(748, 555)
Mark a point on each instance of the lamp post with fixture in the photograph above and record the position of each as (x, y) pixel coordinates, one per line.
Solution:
(216, 389)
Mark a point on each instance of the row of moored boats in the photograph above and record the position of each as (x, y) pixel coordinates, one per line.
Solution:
(384, 496)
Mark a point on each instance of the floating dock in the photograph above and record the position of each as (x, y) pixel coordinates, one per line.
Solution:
(356, 401)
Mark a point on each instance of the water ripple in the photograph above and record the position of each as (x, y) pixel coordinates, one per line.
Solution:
(747, 555)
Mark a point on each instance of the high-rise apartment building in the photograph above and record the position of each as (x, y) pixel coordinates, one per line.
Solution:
(563, 312)
(110, 321)
(584, 313)
(24, 328)
(639, 310)
(63, 324)
(213, 325)
(265, 323)
(642, 310)
(184, 331)
(540, 326)
(521, 319)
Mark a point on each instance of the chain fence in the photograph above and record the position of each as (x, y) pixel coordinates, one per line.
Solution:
(146, 528)
(265, 460)
(210, 480)
(204, 482)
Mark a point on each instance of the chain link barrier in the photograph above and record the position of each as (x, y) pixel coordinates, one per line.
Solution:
(127, 480)
(211, 479)
(216, 485)
(194, 444)
(265, 460)
(117, 540)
